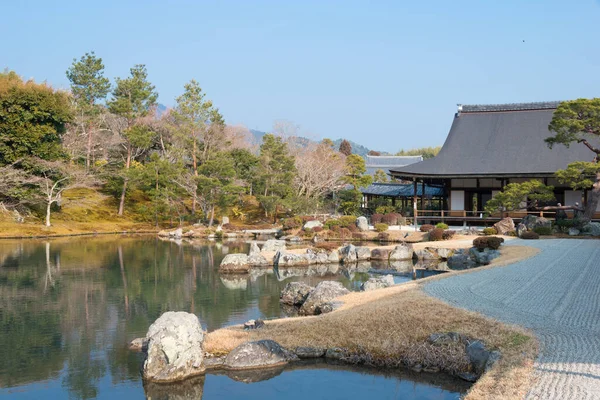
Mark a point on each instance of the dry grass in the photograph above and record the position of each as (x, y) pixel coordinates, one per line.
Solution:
(390, 327)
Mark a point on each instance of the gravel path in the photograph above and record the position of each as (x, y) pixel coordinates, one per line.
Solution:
(557, 295)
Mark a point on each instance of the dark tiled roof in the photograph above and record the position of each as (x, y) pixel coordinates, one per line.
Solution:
(541, 105)
(498, 144)
(400, 190)
(385, 163)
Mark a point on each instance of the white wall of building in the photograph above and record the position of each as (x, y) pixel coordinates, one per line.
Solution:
(457, 200)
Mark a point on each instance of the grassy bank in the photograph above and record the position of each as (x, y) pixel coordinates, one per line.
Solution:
(390, 327)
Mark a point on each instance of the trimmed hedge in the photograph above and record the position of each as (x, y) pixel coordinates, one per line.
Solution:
(381, 227)
(426, 227)
(490, 231)
(543, 230)
(441, 225)
(448, 234)
(491, 242)
(376, 219)
(436, 234)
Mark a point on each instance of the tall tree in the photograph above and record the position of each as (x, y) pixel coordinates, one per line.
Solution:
(345, 147)
(518, 196)
(356, 177)
(275, 174)
(133, 99)
(319, 170)
(32, 119)
(578, 121)
(88, 86)
(380, 176)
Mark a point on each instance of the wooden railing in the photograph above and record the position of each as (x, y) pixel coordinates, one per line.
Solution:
(477, 215)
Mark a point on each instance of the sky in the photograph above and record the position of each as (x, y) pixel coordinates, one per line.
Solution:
(385, 74)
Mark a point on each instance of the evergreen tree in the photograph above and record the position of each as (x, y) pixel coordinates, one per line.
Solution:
(345, 147)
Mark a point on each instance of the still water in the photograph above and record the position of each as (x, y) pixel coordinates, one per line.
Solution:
(68, 308)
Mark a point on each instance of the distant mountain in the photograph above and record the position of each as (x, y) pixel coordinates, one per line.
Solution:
(356, 148)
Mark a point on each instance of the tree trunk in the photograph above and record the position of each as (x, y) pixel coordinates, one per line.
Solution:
(592, 200)
(89, 151)
(212, 216)
(127, 165)
(48, 213)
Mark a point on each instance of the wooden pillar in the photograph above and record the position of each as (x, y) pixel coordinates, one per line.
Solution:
(422, 195)
(415, 202)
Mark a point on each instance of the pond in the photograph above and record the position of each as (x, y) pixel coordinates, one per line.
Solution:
(69, 307)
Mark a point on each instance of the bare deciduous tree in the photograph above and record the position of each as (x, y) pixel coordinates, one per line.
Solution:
(320, 170)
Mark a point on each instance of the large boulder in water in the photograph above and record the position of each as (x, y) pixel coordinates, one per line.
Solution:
(295, 293)
(235, 263)
(323, 293)
(403, 251)
(274, 245)
(348, 254)
(377, 283)
(175, 348)
(254, 249)
(263, 353)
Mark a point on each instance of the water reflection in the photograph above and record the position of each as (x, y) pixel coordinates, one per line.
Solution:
(68, 307)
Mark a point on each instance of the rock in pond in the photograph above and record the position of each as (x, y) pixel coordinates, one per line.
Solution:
(274, 245)
(286, 259)
(403, 251)
(362, 224)
(380, 254)
(377, 283)
(323, 293)
(363, 253)
(348, 254)
(309, 352)
(235, 263)
(258, 260)
(175, 348)
(295, 293)
(262, 353)
(254, 249)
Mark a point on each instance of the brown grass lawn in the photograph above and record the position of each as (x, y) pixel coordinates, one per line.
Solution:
(390, 327)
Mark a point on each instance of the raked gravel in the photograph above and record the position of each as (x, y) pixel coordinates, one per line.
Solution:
(556, 294)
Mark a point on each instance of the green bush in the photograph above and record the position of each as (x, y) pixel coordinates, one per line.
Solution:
(426, 227)
(292, 223)
(219, 234)
(564, 224)
(381, 227)
(490, 231)
(512, 233)
(331, 223)
(529, 235)
(543, 230)
(436, 234)
(441, 225)
(347, 221)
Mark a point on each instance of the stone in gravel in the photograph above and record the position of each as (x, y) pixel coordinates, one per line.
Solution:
(380, 254)
(295, 293)
(175, 348)
(362, 224)
(262, 353)
(377, 283)
(313, 224)
(235, 263)
(254, 249)
(273, 245)
(335, 353)
(309, 352)
(363, 253)
(574, 232)
(403, 251)
(323, 293)
(461, 261)
(592, 228)
(478, 356)
(505, 225)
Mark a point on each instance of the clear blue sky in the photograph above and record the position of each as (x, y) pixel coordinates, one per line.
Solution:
(386, 74)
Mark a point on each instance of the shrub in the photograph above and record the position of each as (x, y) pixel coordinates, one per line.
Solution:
(512, 233)
(306, 218)
(426, 227)
(490, 231)
(492, 242)
(352, 228)
(529, 235)
(376, 218)
(308, 232)
(543, 230)
(441, 225)
(327, 245)
(359, 236)
(344, 233)
(389, 219)
(385, 209)
(448, 234)
(332, 223)
(381, 227)
(347, 220)
(564, 224)
(383, 236)
(292, 223)
(219, 234)
(436, 234)
(317, 229)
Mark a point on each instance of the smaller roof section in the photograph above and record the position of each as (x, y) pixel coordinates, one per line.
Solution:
(385, 163)
(401, 190)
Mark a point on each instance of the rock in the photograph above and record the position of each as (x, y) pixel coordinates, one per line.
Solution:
(334, 256)
(163, 233)
(273, 245)
(348, 254)
(235, 283)
(235, 263)
(286, 259)
(445, 338)
(483, 257)
(471, 231)
(335, 353)
(461, 261)
(175, 348)
(176, 234)
(521, 228)
(362, 224)
(403, 251)
(254, 249)
(138, 344)
(591, 228)
(531, 222)
(324, 292)
(224, 220)
(427, 253)
(254, 374)
(214, 362)
(478, 356)
(402, 265)
(327, 307)
(380, 255)
(313, 224)
(363, 253)
(309, 352)
(262, 353)
(258, 260)
(494, 357)
(295, 293)
(468, 376)
(294, 239)
(574, 232)
(505, 225)
(377, 283)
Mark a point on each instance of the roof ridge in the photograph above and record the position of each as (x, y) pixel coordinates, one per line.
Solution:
(538, 105)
